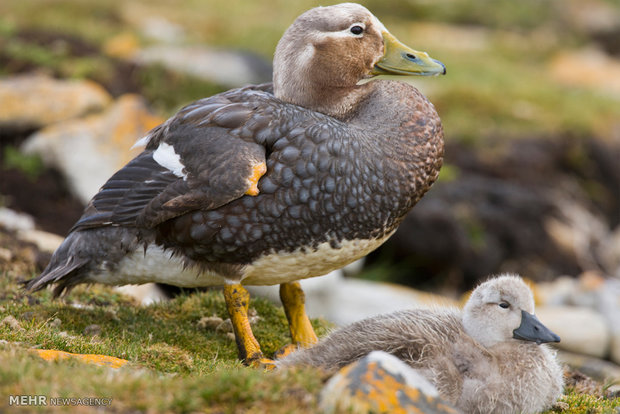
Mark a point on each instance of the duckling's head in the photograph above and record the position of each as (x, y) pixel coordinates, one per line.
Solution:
(327, 50)
(501, 310)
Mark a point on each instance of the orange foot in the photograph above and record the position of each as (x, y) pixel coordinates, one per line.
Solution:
(285, 350)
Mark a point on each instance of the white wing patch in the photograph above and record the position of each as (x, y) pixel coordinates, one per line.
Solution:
(142, 142)
(165, 156)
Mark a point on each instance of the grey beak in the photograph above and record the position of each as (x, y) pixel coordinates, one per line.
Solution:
(531, 329)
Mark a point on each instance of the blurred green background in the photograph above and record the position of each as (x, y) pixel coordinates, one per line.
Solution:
(506, 60)
(542, 73)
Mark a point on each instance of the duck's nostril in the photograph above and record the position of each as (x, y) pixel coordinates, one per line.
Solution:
(410, 56)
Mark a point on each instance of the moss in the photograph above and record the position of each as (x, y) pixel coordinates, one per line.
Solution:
(31, 165)
(168, 91)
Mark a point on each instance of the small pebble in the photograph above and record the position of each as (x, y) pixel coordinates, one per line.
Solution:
(12, 323)
(225, 326)
(5, 254)
(111, 313)
(55, 323)
(92, 330)
(26, 316)
(231, 336)
(209, 322)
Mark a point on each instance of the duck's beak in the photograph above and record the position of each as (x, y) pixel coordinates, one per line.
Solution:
(399, 59)
(531, 329)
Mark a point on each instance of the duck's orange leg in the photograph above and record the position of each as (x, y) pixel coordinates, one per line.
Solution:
(238, 301)
(302, 334)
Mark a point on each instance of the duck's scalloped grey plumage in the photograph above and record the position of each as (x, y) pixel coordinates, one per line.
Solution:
(508, 377)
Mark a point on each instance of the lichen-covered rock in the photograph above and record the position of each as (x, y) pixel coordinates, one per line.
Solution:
(381, 383)
(101, 360)
(89, 150)
(589, 68)
(34, 101)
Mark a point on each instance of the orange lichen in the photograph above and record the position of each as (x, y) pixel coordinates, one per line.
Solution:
(101, 360)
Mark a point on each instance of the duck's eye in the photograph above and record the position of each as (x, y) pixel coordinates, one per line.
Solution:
(504, 305)
(357, 30)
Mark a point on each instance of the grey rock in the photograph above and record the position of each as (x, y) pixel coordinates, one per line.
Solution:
(89, 150)
(582, 330)
(223, 67)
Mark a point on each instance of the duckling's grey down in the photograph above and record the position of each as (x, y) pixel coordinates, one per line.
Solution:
(486, 359)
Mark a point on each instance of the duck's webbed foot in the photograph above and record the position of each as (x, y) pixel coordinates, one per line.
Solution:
(302, 334)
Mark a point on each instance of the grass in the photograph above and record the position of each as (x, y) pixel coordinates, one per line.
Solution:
(175, 366)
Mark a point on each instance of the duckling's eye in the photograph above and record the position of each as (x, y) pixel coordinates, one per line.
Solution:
(504, 305)
(356, 30)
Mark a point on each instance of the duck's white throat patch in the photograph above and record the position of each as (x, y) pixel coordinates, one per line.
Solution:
(165, 156)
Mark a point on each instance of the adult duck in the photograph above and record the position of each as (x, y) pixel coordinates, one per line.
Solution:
(488, 358)
(273, 183)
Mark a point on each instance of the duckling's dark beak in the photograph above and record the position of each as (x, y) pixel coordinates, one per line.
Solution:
(399, 59)
(531, 329)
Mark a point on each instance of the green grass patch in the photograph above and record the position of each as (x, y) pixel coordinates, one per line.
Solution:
(175, 365)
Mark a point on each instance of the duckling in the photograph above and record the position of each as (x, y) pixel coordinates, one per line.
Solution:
(488, 358)
(269, 184)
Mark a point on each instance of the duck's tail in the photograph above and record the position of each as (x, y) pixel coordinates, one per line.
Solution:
(66, 267)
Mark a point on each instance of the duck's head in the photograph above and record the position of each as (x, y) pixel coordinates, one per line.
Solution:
(502, 310)
(327, 50)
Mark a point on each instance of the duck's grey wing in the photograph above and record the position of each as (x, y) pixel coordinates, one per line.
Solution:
(205, 156)
(193, 161)
(405, 334)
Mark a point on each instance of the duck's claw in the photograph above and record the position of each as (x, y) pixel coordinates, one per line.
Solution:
(261, 363)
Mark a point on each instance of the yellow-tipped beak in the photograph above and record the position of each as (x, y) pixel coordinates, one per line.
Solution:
(399, 59)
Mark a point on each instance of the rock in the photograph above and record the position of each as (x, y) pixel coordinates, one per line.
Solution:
(55, 323)
(589, 68)
(12, 323)
(46, 242)
(34, 101)
(225, 327)
(101, 360)
(92, 330)
(609, 306)
(121, 46)
(596, 368)
(381, 383)
(151, 25)
(609, 253)
(346, 300)
(223, 67)
(5, 255)
(581, 330)
(556, 292)
(146, 294)
(210, 322)
(89, 150)
(591, 16)
(12, 220)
